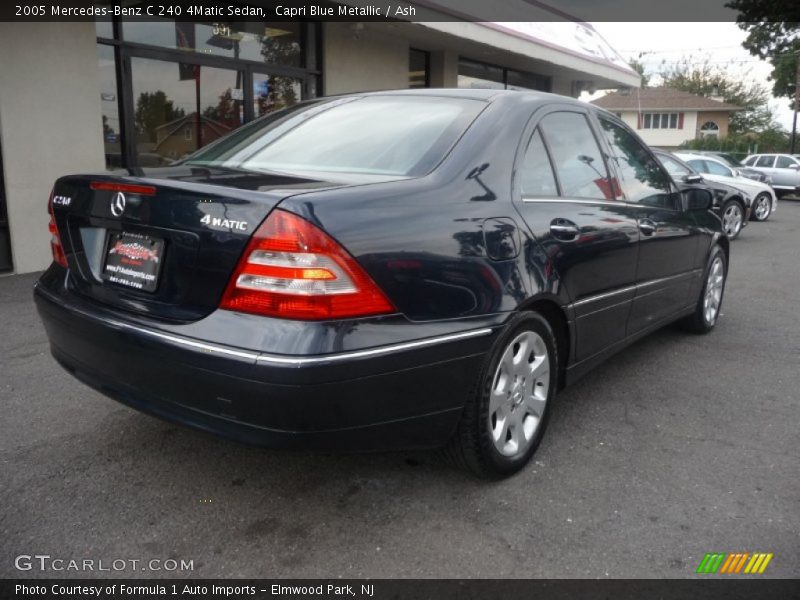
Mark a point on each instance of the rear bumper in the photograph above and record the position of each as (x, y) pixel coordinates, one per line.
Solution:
(406, 395)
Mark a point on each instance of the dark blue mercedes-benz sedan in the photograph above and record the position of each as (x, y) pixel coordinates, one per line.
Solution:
(404, 269)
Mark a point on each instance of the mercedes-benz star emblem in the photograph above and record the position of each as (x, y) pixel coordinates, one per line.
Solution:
(118, 204)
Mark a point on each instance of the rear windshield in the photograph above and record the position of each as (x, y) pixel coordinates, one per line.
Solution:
(381, 135)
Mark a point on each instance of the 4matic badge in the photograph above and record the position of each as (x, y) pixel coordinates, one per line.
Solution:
(223, 223)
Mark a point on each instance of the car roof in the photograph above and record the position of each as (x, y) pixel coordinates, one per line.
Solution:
(487, 95)
(710, 157)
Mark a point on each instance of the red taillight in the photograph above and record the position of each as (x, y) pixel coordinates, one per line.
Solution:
(110, 186)
(292, 269)
(55, 239)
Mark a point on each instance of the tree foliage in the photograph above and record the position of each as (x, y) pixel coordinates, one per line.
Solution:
(770, 140)
(706, 79)
(154, 109)
(638, 66)
(773, 34)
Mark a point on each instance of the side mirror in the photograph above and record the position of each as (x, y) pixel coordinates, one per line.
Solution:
(795, 167)
(737, 173)
(698, 199)
(694, 178)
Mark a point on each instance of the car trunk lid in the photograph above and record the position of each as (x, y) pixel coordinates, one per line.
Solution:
(164, 242)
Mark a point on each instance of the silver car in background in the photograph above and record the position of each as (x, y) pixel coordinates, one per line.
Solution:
(784, 169)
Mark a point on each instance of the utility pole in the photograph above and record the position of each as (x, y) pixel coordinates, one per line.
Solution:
(796, 103)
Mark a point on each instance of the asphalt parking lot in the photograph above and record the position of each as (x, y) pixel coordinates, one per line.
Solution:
(678, 446)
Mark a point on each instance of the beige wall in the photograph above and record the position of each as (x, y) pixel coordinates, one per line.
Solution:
(721, 118)
(49, 124)
(356, 60)
(664, 138)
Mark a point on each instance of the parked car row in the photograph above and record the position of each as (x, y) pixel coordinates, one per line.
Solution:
(738, 198)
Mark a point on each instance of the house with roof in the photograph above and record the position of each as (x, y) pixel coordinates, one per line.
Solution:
(179, 137)
(665, 117)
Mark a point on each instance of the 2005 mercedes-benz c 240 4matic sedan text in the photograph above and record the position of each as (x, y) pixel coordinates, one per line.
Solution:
(385, 270)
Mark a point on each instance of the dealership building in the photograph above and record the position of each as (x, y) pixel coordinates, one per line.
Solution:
(87, 96)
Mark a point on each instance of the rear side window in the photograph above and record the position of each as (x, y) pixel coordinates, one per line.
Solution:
(751, 161)
(536, 173)
(784, 162)
(765, 161)
(643, 179)
(576, 156)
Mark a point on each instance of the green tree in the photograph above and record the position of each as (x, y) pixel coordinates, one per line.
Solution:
(706, 79)
(773, 34)
(638, 66)
(226, 111)
(154, 109)
(107, 129)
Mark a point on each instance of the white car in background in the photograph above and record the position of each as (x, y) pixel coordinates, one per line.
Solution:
(765, 202)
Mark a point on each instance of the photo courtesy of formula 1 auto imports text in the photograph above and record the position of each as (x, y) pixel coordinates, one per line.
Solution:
(395, 300)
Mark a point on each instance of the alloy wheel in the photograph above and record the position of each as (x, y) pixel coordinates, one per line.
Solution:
(714, 287)
(762, 208)
(519, 392)
(732, 220)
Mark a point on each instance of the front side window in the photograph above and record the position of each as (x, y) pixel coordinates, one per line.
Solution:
(643, 180)
(785, 162)
(576, 156)
(765, 161)
(536, 173)
(349, 135)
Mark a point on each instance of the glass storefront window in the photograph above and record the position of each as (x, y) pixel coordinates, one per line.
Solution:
(104, 29)
(179, 108)
(112, 143)
(478, 75)
(520, 80)
(191, 83)
(472, 74)
(278, 43)
(271, 93)
(418, 69)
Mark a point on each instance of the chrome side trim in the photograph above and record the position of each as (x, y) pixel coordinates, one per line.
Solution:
(563, 201)
(590, 299)
(329, 358)
(597, 202)
(652, 282)
(276, 359)
(202, 346)
(638, 287)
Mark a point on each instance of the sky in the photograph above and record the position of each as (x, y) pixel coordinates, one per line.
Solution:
(721, 43)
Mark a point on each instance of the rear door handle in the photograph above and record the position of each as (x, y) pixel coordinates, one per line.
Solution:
(563, 229)
(647, 227)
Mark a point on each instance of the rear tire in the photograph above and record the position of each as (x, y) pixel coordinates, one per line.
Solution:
(762, 207)
(505, 418)
(706, 313)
